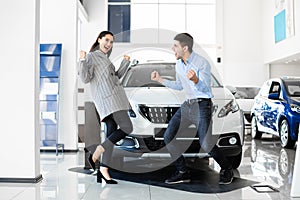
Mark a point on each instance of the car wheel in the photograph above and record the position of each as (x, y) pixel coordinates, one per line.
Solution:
(235, 160)
(284, 133)
(255, 133)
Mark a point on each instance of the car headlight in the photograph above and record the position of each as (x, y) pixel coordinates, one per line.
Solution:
(131, 113)
(295, 108)
(232, 106)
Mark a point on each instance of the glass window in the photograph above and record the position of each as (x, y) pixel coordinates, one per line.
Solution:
(144, 1)
(118, 1)
(214, 82)
(275, 88)
(293, 88)
(144, 22)
(201, 20)
(172, 1)
(119, 22)
(139, 76)
(200, 1)
(198, 17)
(174, 20)
(144, 16)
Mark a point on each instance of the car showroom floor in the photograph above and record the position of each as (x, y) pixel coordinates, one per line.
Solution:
(264, 164)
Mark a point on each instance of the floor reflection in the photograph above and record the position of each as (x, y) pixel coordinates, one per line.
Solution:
(264, 161)
(270, 162)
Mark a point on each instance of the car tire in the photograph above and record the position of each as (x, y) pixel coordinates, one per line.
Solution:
(255, 133)
(284, 134)
(235, 160)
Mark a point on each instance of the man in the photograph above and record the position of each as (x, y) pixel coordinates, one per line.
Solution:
(193, 75)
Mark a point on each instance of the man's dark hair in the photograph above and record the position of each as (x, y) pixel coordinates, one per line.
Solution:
(185, 39)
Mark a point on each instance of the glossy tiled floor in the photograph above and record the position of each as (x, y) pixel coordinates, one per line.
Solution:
(263, 161)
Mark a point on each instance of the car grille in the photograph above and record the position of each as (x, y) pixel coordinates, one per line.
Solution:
(156, 114)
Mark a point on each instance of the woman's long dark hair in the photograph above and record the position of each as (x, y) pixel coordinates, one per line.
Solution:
(95, 46)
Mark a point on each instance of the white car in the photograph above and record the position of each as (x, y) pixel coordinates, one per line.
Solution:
(153, 105)
(244, 96)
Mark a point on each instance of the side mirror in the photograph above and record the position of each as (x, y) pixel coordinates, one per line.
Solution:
(231, 89)
(134, 63)
(274, 96)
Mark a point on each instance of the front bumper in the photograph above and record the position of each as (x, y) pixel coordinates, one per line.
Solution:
(229, 143)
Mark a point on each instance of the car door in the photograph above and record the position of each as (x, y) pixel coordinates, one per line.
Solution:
(273, 104)
(259, 106)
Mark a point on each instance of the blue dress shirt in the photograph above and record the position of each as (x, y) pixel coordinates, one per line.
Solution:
(203, 71)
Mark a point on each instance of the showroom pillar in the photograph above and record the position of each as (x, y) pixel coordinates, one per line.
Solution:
(19, 87)
(295, 192)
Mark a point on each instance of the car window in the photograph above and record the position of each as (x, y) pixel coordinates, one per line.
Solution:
(246, 92)
(215, 82)
(140, 75)
(292, 87)
(275, 87)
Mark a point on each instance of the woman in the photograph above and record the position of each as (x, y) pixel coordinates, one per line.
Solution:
(109, 98)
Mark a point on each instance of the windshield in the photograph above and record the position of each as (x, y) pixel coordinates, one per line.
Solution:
(140, 75)
(292, 87)
(246, 92)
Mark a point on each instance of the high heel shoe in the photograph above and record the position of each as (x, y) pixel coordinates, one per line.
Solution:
(100, 177)
(90, 159)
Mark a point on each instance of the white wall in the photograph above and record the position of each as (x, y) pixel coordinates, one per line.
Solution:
(282, 49)
(89, 31)
(242, 59)
(59, 25)
(248, 42)
(19, 86)
(97, 22)
(278, 70)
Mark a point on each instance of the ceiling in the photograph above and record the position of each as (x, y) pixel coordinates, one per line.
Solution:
(294, 60)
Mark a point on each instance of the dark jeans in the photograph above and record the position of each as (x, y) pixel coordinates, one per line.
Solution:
(117, 126)
(198, 113)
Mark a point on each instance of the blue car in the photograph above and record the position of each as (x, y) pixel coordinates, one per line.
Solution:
(276, 110)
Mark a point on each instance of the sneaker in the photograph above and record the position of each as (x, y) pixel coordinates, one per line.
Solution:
(179, 177)
(226, 176)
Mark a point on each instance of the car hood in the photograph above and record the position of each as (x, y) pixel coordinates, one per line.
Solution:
(155, 95)
(245, 104)
(295, 100)
(163, 95)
